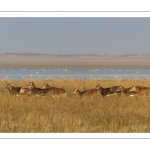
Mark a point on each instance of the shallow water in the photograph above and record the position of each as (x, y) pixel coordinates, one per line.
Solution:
(74, 74)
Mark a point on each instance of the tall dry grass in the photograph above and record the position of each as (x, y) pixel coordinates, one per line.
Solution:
(72, 114)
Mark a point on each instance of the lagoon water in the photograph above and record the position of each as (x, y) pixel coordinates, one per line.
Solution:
(74, 74)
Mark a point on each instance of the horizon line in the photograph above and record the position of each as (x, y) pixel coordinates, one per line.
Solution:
(73, 54)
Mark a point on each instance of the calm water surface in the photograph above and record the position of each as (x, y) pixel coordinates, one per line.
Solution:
(74, 74)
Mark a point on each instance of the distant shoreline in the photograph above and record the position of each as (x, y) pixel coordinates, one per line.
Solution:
(20, 61)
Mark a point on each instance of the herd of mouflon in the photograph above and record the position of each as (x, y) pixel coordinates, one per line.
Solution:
(47, 90)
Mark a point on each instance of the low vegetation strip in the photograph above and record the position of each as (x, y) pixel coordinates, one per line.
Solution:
(73, 114)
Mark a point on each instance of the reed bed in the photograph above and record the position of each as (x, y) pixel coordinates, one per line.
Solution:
(31, 114)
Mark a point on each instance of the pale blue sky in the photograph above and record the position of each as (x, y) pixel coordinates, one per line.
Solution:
(113, 36)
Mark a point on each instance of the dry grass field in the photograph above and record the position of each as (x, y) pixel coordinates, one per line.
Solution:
(31, 114)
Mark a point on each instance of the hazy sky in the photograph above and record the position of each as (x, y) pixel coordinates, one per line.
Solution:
(75, 35)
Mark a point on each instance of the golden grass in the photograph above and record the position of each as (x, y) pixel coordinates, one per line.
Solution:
(71, 114)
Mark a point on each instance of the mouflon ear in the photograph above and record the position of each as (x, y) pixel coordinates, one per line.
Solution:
(8, 84)
(98, 86)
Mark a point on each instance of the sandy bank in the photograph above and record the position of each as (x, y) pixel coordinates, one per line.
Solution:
(74, 62)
